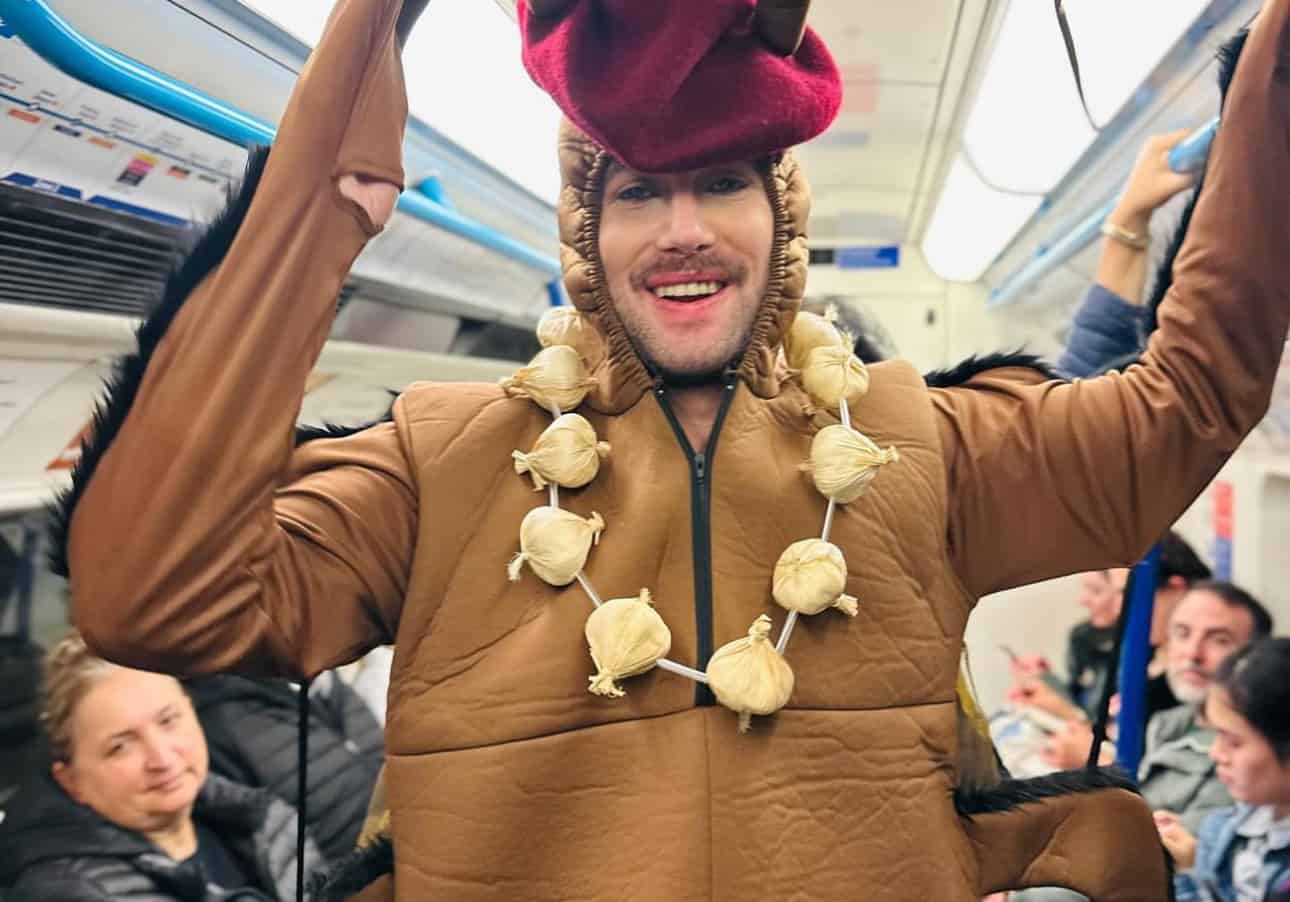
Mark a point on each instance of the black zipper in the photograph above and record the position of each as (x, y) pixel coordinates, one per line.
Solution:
(701, 528)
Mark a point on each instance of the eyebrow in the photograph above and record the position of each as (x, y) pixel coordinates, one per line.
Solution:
(161, 712)
(615, 168)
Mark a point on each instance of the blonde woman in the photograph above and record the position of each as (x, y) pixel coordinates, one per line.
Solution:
(129, 811)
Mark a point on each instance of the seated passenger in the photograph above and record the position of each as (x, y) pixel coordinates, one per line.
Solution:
(1176, 775)
(1243, 851)
(1180, 569)
(251, 728)
(128, 810)
(1089, 656)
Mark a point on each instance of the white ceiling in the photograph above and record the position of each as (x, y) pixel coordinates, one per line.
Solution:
(870, 170)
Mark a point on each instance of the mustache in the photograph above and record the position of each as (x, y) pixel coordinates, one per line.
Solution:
(1195, 671)
(673, 263)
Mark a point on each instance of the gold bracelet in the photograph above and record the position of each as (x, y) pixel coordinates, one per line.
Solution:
(1125, 237)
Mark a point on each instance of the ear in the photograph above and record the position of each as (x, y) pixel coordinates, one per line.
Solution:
(65, 777)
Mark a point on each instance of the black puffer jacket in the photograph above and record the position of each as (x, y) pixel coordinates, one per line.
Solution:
(251, 728)
(55, 850)
(22, 748)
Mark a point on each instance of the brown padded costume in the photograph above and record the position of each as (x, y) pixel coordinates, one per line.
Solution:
(206, 541)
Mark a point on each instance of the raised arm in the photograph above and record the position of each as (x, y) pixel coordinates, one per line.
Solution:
(199, 540)
(1052, 478)
(1109, 322)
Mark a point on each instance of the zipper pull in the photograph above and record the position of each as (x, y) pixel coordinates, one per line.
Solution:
(700, 466)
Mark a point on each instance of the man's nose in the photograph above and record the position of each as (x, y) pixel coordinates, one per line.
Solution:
(1191, 650)
(687, 228)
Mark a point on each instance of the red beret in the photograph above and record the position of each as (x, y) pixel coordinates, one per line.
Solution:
(668, 85)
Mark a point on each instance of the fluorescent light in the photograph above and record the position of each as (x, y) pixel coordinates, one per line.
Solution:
(972, 224)
(465, 79)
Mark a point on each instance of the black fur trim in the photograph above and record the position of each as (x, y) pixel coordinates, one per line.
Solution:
(353, 873)
(977, 364)
(1228, 56)
(306, 434)
(1011, 794)
(122, 386)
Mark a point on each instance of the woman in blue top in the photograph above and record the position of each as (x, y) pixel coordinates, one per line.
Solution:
(1242, 853)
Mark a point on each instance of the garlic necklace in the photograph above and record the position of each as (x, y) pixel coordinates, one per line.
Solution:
(626, 636)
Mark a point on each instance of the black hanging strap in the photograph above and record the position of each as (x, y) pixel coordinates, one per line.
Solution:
(1112, 682)
(1071, 55)
(302, 768)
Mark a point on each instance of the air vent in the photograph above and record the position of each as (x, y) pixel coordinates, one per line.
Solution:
(56, 252)
(63, 253)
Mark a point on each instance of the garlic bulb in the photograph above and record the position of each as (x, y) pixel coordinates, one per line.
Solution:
(808, 332)
(749, 677)
(844, 462)
(832, 374)
(555, 544)
(810, 577)
(566, 326)
(627, 637)
(566, 453)
(555, 377)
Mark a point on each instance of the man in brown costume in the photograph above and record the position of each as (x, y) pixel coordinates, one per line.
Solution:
(201, 538)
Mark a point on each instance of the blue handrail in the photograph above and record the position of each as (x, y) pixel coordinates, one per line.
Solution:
(1135, 656)
(63, 47)
(1188, 156)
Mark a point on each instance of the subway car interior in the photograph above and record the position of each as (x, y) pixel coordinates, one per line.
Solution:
(1003, 187)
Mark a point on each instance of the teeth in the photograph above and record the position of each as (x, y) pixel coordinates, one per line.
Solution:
(688, 289)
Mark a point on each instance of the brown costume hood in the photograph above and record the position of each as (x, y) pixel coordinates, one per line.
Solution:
(621, 378)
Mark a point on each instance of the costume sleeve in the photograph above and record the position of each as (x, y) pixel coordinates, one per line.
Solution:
(203, 541)
(1105, 329)
(1053, 478)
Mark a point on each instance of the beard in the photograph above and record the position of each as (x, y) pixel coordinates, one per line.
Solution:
(716, 372)
(1187, 693)
(677, 359)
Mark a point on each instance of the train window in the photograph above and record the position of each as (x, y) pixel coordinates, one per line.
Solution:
(464, 75)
